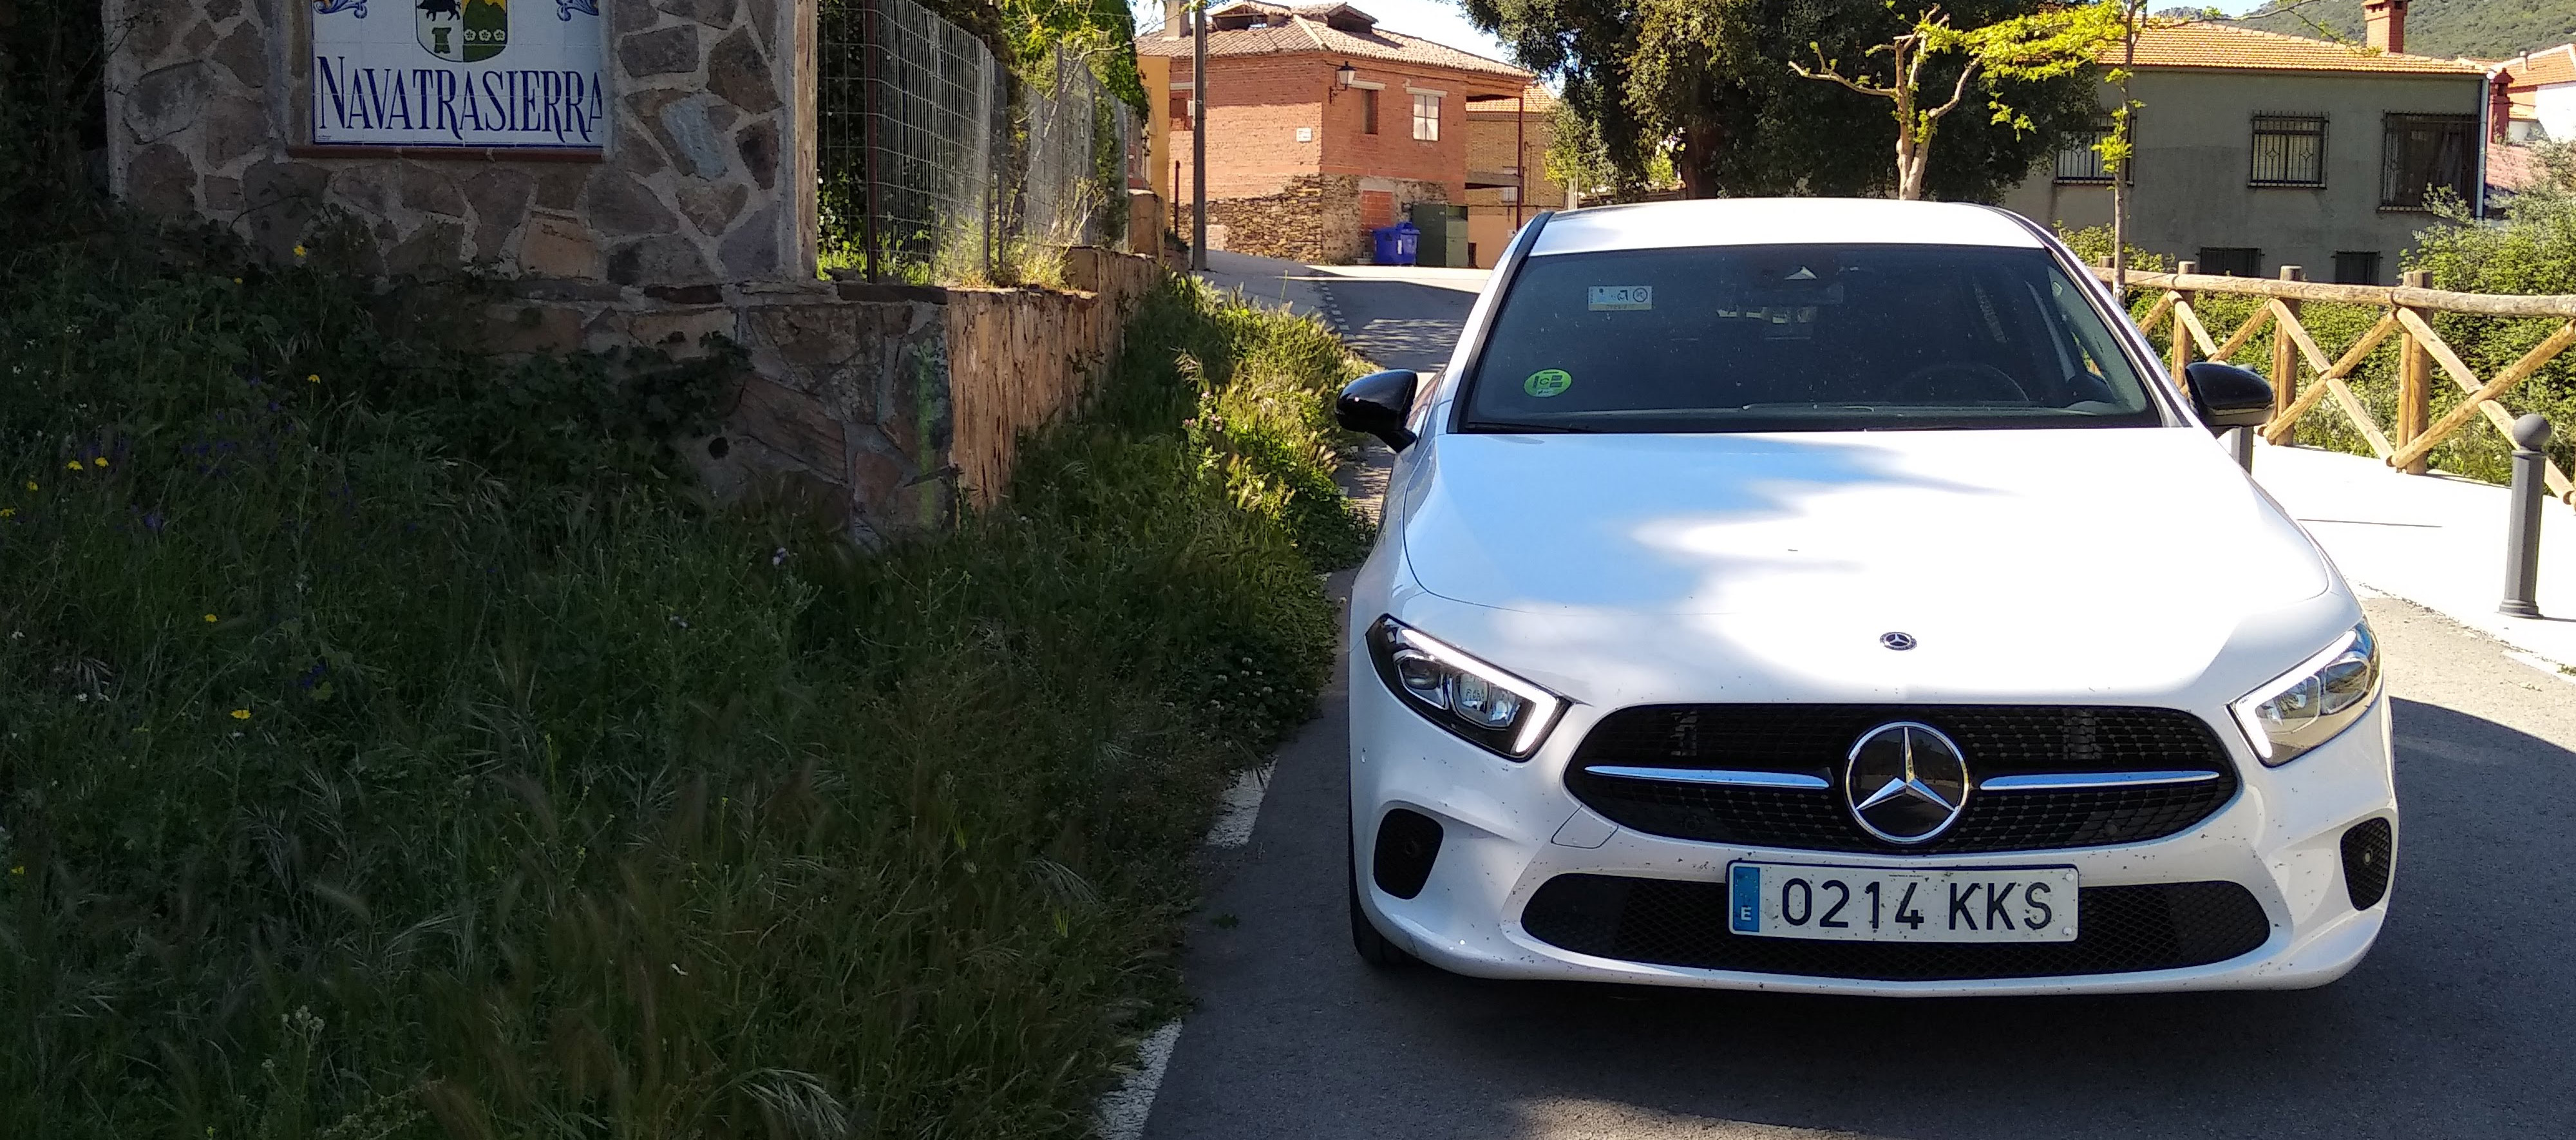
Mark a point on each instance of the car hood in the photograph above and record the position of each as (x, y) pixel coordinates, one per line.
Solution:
(2018, 561)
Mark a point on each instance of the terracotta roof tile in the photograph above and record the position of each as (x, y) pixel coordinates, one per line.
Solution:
(2540, 68)
(1304, 32)
(2197, 44)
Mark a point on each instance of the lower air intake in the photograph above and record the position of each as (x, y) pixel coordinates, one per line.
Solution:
(1407, 844)
(2369, 854)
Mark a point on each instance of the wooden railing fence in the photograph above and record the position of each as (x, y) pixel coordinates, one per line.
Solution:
(2421, 349)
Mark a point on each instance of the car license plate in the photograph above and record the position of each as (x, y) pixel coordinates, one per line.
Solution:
(1882, 904)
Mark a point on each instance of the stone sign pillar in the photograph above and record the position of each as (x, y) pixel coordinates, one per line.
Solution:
(639, 142)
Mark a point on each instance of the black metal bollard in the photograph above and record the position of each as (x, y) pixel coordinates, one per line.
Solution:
(2522, 532)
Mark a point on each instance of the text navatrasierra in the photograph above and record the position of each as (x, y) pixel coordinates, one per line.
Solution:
(457, 73)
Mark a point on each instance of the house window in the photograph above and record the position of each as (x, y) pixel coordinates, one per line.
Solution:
(2231, 261)
(2357, 267)
(1368, 111)
(2423, 154)
(2289, 150)
(2079, 159)
(1180, 110)
(1426, 118)
(1511, 194)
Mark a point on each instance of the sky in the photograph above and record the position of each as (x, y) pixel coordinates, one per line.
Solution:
(1442, 21)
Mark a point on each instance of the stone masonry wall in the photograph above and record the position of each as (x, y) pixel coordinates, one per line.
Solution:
(1317, 218)
(889, 406)
(700, 180)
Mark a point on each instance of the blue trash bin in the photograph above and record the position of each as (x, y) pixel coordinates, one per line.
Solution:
(1396, 244)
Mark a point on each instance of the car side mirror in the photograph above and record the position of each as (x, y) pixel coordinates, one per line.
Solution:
(2228, 397)
(1377, 404)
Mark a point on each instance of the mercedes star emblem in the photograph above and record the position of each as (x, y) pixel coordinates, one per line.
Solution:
(1897, 640)
(1907, 782)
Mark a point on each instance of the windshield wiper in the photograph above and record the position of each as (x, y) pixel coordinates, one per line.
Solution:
(1542, 429)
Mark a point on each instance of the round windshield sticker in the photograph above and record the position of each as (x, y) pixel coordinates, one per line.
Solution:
(1547, 382)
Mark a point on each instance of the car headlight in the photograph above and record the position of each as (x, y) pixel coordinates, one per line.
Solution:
(1487, 707)
(2311, 704)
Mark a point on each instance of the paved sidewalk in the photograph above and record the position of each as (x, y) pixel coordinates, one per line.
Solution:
(2434, 540)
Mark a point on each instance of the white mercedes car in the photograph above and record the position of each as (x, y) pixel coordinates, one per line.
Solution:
(1836, 596)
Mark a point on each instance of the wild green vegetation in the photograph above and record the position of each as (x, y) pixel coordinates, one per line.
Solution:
(2481, 29)
(394, 744)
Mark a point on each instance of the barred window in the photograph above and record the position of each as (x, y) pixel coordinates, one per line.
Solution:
(2420, 154)
(2079, 158)
(2289, 150)
(2357, 267)
(2231, 261)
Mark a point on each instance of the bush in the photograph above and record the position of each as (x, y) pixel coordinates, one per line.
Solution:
(2532, 249)
(394, 748)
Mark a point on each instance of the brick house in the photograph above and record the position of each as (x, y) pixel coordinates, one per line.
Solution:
(1507, 141)
(1321, 126)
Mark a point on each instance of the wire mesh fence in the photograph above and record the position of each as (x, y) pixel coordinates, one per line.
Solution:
(938, 163)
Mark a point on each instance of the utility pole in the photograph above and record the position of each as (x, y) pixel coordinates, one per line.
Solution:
(1520, 156)
(1198, 136)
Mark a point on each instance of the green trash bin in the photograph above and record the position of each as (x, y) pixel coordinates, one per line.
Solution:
(1444, 234)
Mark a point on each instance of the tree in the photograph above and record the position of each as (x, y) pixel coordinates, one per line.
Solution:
(1703, 83)
(2034, 48)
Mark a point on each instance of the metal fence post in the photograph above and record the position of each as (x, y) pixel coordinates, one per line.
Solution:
(2522, 527)
(869, 38)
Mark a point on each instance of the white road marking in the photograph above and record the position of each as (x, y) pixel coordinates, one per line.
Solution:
(1241, 808)
(1123, 1113)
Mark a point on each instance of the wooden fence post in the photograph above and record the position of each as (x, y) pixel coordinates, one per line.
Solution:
(2180, 358)
(2285, 351)
(2414, 381)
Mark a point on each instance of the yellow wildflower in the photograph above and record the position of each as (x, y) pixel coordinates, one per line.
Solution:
(101, 461)
(74, 465)
(315, 378)
(210, 619)
(241, 714)
(299, 251)
(18, 870)
(31, 484)
(6, 512)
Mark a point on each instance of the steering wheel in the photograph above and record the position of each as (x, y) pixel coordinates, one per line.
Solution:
(1963, 380)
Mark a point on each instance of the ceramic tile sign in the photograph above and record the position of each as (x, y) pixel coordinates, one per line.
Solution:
(521, 74)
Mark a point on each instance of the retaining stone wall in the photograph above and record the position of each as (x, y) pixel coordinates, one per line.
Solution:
(889, 406)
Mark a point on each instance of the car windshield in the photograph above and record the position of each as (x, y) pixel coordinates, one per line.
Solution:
(1801, 338)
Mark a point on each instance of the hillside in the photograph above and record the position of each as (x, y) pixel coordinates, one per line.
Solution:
(2481, 29)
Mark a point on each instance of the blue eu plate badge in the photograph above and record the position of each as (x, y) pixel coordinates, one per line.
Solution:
(1744, 898)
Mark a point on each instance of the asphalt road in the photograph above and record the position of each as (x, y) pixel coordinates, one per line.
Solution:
(2457, 1025)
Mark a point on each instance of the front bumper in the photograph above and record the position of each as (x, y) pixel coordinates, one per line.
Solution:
(1509, 827)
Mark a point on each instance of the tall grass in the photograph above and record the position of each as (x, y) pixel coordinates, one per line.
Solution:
(391, 745)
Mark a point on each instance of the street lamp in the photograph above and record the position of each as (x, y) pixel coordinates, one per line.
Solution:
(1345, 75)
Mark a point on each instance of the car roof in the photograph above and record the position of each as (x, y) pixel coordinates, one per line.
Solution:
(1779, 221)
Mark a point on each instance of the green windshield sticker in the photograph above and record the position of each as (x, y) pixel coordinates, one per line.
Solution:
(1547, 382)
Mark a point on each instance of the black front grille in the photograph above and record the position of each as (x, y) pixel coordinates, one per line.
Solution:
(2120, 930)
(1812, 740)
